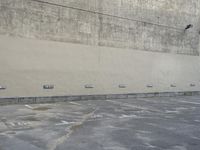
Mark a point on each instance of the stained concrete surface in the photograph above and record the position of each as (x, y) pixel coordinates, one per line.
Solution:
(131, 124)
(149, 25)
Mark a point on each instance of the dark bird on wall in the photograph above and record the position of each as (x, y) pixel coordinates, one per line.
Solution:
(188, 27)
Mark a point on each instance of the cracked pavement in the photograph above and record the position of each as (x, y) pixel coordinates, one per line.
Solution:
(164, 123)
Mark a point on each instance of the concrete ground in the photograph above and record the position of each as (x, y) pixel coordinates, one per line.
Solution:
(134, 124)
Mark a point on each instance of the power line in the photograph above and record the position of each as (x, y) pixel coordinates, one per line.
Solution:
(105, 14)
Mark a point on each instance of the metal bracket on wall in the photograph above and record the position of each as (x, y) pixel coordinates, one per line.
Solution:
(48, 87)
(89, 86)
(2, 87)
(149, 86)
(122, 86)
(173, 85)
(192, 85)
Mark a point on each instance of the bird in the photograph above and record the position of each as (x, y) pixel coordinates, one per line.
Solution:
(188, 26)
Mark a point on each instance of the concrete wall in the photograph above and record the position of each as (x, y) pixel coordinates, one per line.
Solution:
(149, 25)
(26, 65)
(103, 43)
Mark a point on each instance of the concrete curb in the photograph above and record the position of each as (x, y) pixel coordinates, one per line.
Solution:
(54, 99)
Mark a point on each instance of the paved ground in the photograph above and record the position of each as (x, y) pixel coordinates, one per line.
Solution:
(135, 124)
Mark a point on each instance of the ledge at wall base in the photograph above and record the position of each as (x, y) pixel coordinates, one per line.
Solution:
(54, 99)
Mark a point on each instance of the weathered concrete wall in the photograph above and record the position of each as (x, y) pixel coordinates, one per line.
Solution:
(105, 43)
(150, 25)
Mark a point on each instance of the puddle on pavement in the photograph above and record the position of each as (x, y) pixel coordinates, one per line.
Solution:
(41, 108)
(11, 132)
(30, 118)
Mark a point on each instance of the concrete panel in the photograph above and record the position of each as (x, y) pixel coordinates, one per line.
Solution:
(26, 65)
